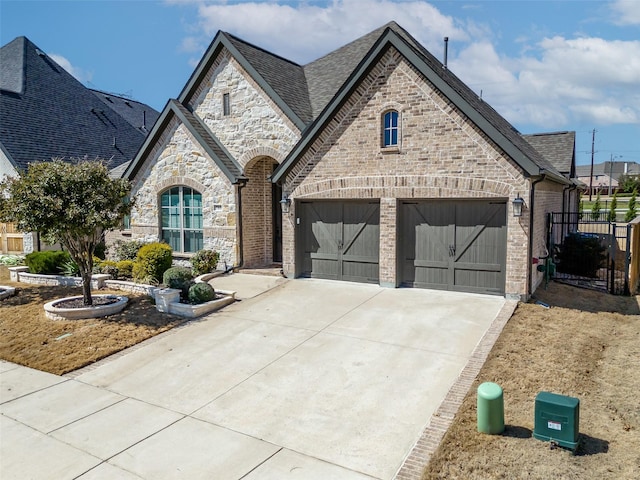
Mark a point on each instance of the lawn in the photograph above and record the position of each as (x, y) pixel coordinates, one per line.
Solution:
(29, 338)
(587, 345)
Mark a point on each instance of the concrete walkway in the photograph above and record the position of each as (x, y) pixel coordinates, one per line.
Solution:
(303, 379)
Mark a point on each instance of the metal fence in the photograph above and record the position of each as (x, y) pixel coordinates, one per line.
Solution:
(590, 251)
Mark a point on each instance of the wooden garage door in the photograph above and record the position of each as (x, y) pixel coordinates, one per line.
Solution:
(453, 245)
(339, 240)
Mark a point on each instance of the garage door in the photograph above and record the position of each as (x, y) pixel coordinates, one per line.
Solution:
(339, 240)
(453, 245)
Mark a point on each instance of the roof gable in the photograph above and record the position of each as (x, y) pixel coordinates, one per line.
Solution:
(209, 143)
(558, 148)
(485, 117)
(282, 80)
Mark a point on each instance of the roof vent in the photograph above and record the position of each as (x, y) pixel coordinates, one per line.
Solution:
(40, 53)
(446, 52)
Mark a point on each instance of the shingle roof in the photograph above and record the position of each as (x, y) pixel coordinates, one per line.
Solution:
(558, 148)
(139, 115)
(46, 113)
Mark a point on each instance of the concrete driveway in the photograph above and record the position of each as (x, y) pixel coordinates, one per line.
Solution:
(305, 379)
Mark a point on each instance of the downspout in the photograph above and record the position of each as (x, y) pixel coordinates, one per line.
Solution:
(532, 198)
(241, 185)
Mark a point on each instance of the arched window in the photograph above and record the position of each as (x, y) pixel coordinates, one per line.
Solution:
(390, 129)
(181, 219)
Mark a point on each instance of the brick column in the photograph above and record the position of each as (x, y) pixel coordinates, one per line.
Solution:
(388, 249)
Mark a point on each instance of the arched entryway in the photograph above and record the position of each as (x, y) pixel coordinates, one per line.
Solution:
(261, 215)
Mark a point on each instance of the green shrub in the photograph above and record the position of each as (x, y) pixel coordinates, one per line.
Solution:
(107, 267)
(200, 293)
(100, 251)
(152, 261)
(180, 278)
(70, 269)
(48, 262)
(581, 255)
(125, 269)
(125, 250)
(11, 260)
(204, 261)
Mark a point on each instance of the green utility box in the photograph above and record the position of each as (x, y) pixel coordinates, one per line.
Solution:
(490, 408)
(556, 419)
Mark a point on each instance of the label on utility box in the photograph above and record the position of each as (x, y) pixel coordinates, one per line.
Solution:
(554, 425)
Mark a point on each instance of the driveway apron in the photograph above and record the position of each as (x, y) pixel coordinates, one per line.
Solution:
(308, 379)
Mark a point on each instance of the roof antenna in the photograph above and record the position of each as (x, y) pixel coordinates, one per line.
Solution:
(446, 51)
(144, 119)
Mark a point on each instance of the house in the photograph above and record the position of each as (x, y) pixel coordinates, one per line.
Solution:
(46, 113)
(605, 176)
(374, 163)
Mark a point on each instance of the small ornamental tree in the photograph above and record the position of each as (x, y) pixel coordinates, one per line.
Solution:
(595, 210)
(68, 203)
(632, 211)
(612, 208)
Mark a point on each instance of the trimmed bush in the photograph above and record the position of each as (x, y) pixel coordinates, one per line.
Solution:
(180, 278)
(122, 250)
(106, 266)
(200, 293)
(125, 269)
(204, 261)
(581, 255)
(152, 261)
(49, 262)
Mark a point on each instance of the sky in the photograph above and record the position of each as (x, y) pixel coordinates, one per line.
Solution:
(544, 65)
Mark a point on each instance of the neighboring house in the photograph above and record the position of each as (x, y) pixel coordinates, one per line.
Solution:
(605, 175)
(387, 167)
(46, 113)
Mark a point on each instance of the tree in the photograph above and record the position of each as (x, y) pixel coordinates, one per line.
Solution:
(632, 211)
(595, 210)
(612, 208)
(68, 203)
(628, 183)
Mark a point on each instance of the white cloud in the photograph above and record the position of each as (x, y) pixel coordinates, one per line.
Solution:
(552, 83)
(584, 80)
(79, 73)
(626, 12)
(304, 32)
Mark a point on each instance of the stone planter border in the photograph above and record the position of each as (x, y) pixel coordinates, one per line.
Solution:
(168, 300)
(6, 291)
(58, 313)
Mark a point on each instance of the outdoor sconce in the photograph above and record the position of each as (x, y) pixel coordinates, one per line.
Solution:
(517, 202)
(285, 203)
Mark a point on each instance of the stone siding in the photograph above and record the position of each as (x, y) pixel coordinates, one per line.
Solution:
(441, 155)
(181, 161)
(254, 121)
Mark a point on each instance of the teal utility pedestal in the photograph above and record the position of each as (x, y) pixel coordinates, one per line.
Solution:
(557, 419)
(490, 408)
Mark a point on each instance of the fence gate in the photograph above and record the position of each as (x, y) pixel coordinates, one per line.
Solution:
(590, 251)
(10, 239)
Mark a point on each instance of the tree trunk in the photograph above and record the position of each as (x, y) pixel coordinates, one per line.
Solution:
(81, 251)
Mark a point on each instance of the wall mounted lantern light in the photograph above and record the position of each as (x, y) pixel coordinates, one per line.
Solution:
(517, 203)
(285, 203)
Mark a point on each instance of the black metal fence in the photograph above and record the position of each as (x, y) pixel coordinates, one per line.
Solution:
(590, 251)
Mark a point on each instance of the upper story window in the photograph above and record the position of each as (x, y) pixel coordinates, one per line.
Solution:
(390, 129)
(181, 219)
(226, 105)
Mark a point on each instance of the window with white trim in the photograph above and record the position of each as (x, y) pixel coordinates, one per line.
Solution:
(390, 129)
(181, 219)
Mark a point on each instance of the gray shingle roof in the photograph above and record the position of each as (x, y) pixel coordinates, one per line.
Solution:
(558, 148)
(46, 113)
(137, 114)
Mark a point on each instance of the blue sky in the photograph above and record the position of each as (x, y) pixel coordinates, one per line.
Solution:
(544, 65)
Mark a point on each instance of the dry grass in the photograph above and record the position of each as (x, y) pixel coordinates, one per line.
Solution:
(29, 338)
(587, 345)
